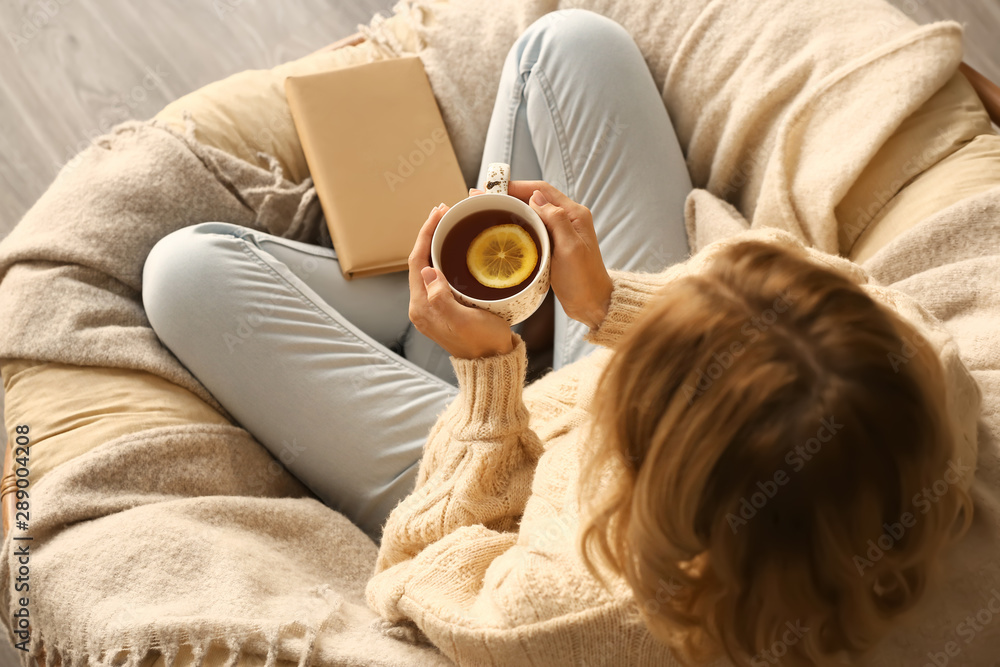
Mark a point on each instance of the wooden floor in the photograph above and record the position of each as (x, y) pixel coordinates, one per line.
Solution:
(94, 63)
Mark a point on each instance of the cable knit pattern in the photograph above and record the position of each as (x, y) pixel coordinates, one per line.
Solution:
(481, 556)
(630, 294)
(491, 404)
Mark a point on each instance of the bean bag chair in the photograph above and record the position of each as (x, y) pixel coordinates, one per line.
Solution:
(162, 532)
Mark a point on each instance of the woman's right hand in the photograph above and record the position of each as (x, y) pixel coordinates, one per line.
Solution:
(579, 278)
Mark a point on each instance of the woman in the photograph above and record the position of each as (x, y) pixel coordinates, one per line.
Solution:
(701, 474)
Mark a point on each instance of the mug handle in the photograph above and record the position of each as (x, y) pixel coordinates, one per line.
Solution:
(497, 177)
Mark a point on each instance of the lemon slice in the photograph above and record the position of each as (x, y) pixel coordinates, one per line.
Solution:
(502, 256)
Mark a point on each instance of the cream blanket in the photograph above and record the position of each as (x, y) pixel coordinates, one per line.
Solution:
(183, 535)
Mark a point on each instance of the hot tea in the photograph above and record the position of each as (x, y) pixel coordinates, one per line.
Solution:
(455, 248)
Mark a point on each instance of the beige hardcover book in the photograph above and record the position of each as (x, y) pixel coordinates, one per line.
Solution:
(379, 155)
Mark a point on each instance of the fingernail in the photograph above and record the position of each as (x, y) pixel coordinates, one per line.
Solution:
(471, 191)
(428, 274)
(539, 198)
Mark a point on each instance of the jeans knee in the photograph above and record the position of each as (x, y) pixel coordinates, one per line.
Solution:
(177, 269)
(577, 29)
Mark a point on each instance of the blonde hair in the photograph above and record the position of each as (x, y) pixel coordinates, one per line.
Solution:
(758, 455)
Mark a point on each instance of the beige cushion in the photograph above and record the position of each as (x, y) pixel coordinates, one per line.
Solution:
(943, 152)
(72, 409)
(970, 170)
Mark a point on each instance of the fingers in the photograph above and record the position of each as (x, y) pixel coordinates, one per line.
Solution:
(555, 209)
(475, 191)
(429, 291)
(436, 307)
(554, 217)
(524, 189)
(420, 256)
(557, 219)
(463, 331)
(438, 292)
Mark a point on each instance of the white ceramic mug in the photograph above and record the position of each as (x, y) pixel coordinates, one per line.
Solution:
(514, 308)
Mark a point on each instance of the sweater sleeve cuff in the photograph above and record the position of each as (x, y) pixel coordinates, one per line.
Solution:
(630, 292)
(490, 404)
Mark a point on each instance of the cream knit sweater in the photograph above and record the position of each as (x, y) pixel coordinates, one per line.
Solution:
(482, 556)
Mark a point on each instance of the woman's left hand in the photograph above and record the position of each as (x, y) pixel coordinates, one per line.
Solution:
(464, 332)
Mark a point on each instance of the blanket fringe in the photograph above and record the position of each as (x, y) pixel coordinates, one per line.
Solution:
(198, 652)
(202, 154)
(298, 228)
(263, 198)
(132, 660)
(307, 652)
(404, 631)
(170, 649)
(169, 645)
(417, 13)
(383, 40)
(272, 650)
(234, 654)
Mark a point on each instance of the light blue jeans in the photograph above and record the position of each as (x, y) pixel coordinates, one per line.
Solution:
(330, 375)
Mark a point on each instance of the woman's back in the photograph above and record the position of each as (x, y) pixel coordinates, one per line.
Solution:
(485, 552)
